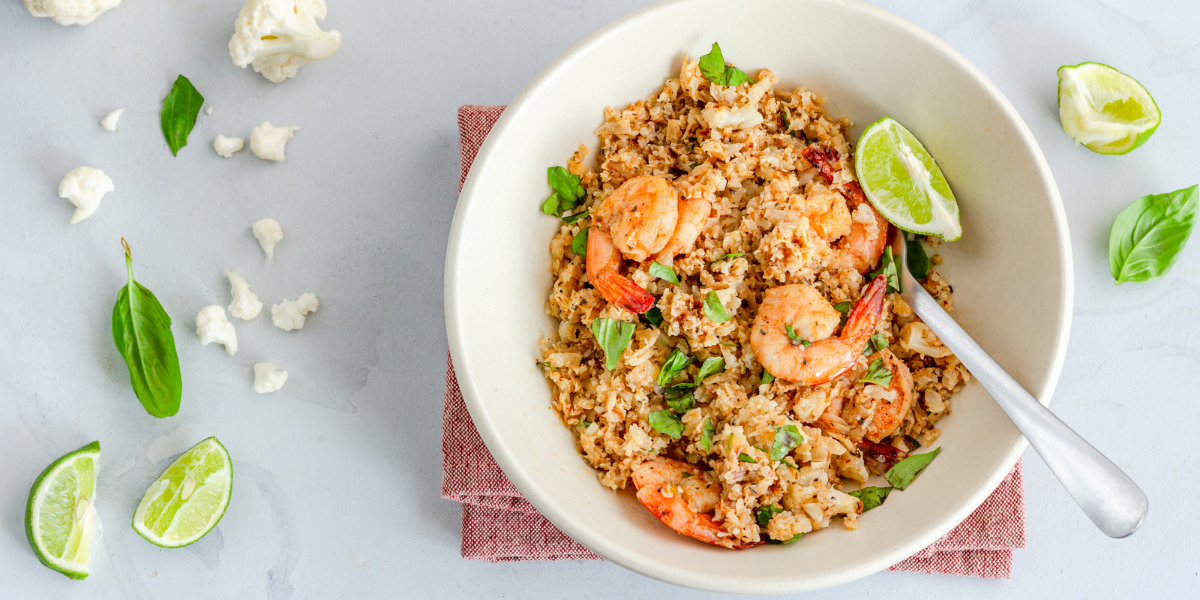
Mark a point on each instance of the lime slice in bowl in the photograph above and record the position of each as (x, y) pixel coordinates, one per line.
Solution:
(1104, 109)
(902, 181)
(188, 499)
(60, 515)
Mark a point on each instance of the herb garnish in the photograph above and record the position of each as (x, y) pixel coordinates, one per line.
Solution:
(887, 268)
(794, 337)
(905, 471)
(878, 374)
(141, 330)
(577, 216)
(711, 366)
(584, 423)
(787, 437)
(730, 256)
(179, 112)
(680, 399)
(764, 515)
(746, 458)
(663, 272)
(1148, 236)
(875, 343)
(714, 310)
(871, 496)
(918, 260)
(706, 435)
(579, 242)
(675, 364)
(665, 422)
(653, 316)
(713, 67)
(614, 337)
(686, 474)
(767, 377)
(844, 308)
(568, 192)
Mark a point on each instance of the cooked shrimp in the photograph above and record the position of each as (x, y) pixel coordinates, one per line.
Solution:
(683, 503)
(815, 357)
(868, 237)
(890, 413)
(693, 214)
(603, 263)
(640, 216)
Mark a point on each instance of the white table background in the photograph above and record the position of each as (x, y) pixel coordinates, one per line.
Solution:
(336, 486)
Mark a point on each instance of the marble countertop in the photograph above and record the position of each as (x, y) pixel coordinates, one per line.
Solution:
(336, 486)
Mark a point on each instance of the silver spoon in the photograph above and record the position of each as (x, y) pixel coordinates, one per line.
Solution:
(1105, 493)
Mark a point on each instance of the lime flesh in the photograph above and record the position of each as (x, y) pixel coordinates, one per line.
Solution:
(1104, 109)
(902, 181)
(60, 513)
(188, 499)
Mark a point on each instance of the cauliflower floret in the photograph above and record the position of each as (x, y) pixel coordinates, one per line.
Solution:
(268, 233)
(226, 146)
(267, 378)
(245, 305)
(290, 314)
(109, 122)
(212, 326)
(267, 142)
(85, 187)
(278, 37)
(70, 12)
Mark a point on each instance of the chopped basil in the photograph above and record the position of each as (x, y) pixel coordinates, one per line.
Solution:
(844, 308)
(614, 337)
(706, 435)
(787, 123)
(179, 112)
(729, 442)
(584, 423)
(713, 67)
(767, 377)
(905, 471)
(665, 422)
(746, 458)
(728, 344)
(789, 463)
(653, 316)
(764, 514)
(794, 337)
(663, 272)
(680, 399)
(568, 192)
(579, 242)
(874, 344)
(1148, 235)
(887, 268)
(714, 310)
(711, 366)
(675, 364)
(577, 216)
(685, 474)
(871, 496)
(918, 260)
(545, 366)
(786, 438)
(730, 256)
(878, 374)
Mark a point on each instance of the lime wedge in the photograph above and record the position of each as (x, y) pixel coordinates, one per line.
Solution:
(188, 499)
(60, 515)
(1105, 109)
(903, 183)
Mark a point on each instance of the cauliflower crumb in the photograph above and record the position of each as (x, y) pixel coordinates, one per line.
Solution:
(267, 378)
(212, 326)
(109, 122)
(267, 142)
(245, 305)
(277, 37)
(226, 146)
(85, 187)
(268, 233)
(290, 315)
(208, 110)
(70, 12)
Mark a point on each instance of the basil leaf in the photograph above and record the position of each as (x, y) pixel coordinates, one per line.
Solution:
(871, 496)
(1147, 236)
(842, 307)
(714, 69)
(653, 316)
(665, 422)
(579, 242)
(714, 310)
(767, 377)
(887, 268)
(577, 216)
(711, 366)
(675, 363)
(142, 332)
(552, 206)
(730, 256)
(786, 438)
(878, 374)
(875, 343)
(905, 471)
(787, 123)
(680, 399)
(706, 435)
(179, 112)
(764, 514)
(685, 474)
(663, 272)
(566, 184)
(795, 337)
(918, 260)
(729, 442)
(746, 458)
(614, 337)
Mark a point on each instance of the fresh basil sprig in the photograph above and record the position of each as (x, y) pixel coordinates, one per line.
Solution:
(674, 365)
(665, 422)
(918, 260)
(787, 437)
(714, 69)
(875, 343)
(663, 272)
(714, 310)
(871, 496)
(1147, 236)
(614, 337)
(706, 435)
(568, 192)
(179, 112)
(904, 472)
(878, 374)
(887, 268)
(142, 332)
(579, 242)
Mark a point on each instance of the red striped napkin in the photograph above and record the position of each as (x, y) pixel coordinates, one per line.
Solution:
(499, 525)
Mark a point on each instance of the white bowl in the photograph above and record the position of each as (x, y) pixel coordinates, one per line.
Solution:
(1011, 271)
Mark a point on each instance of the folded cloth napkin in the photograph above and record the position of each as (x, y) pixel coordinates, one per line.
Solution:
(499, 525)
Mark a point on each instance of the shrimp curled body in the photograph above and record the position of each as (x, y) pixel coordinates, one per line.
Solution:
(683, 503)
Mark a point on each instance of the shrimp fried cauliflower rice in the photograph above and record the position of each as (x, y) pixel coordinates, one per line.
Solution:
(778, 369)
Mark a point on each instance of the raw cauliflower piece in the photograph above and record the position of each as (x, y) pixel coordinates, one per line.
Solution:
(268, 233)
(85, 187)
(109, 122)
(267, 142)
(226, 146)
(212, 326)
(245, 305)
(277, 37)
(290, 314)
(70, 12)
(267, 378)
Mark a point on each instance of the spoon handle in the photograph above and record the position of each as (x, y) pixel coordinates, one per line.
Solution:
(1105, 493)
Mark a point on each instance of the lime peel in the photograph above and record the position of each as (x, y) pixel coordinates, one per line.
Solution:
(903, 182)
(60, 515)
(188, 499)
(1104, 109)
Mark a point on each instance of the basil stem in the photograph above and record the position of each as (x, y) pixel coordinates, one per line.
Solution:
(179, 112)
(142, 332)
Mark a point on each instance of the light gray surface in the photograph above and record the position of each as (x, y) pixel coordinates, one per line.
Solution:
(336, 486)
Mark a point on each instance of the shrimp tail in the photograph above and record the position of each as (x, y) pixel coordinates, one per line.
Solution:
(860, 324)
(623, 292)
